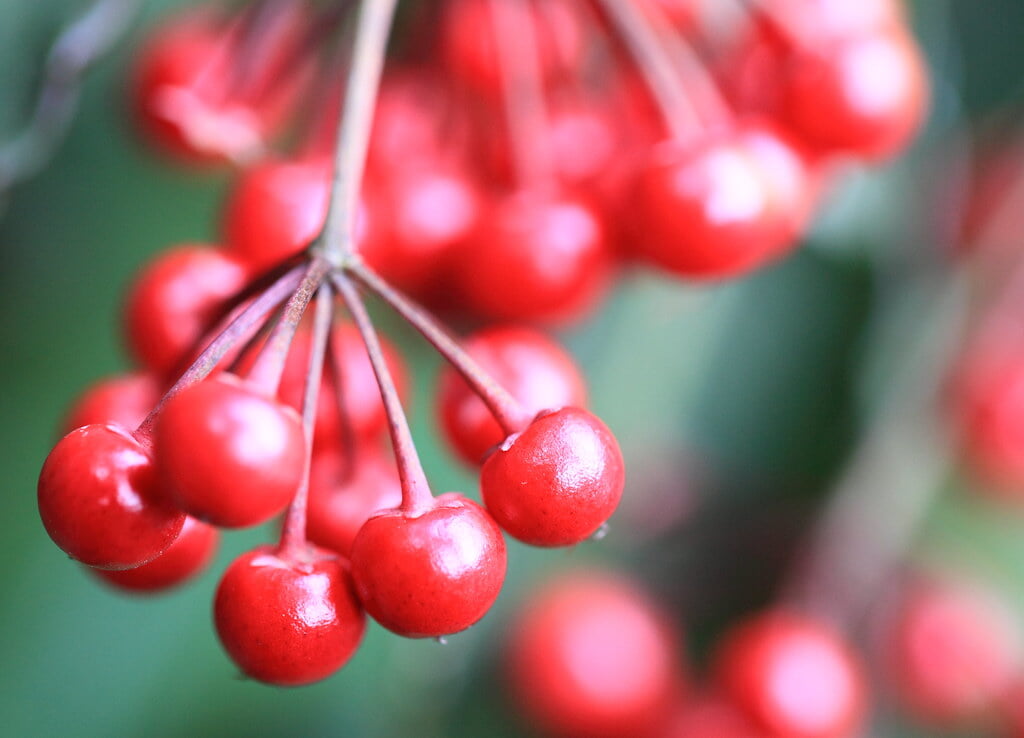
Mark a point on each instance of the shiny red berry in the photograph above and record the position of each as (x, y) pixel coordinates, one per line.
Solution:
(534, 259)
(288, 622)
(342, 499)
(591, 655)
(228, 454)
(190, 553)
(535, 370)
(98, 499)
(952, 652)
(556, 482)
(432, 573)
(173, 301)
(123, 399)
(793, 676)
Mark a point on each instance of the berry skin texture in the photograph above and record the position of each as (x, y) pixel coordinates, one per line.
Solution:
(432, 573)
(953, 654)
(123, 400)
(339, 503)
(173, 301)
(792, 676)
(228, 454)
(97, 499)
(591, 656)
(287, 622)
(556, 482)
(190, 553)
(535, 370)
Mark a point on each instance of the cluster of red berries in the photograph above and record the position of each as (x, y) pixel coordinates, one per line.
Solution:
(518, 160)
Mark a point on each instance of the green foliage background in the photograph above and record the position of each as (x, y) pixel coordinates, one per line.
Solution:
(746, 398)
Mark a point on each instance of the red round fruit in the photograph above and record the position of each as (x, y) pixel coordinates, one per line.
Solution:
(556, 482)
(228, 454)
(288, 622)
(98, 499)
(341, 500)
(865, 95)
(431, 573)
(173, 301)
(534, 259)
(534, 369)
(793, 676)
(953, 653)
(190, 553)
(592, 656)
(124, 400)
(721, 206)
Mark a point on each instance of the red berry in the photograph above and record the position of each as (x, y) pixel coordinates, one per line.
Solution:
(432, 573)
(722, 206)
(191, 551)
(534, 260)
(592, 656)
(557, 482)
(123, 400)
(288, 622)
(953, 653)
(98, 499)
(530, 365)
(793, 676)
(342, 499)
(173, 301)
(865, 95)
(227, 454)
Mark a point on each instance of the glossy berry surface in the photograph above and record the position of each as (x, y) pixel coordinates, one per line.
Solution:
(190, 553)
(534, 259)
(288, 622)
(98, 500)
(123, 400)
(793, 676)
(432, 573)
(342, 499)
(591, 655)
(228, 454)
(556, 482)
(953, 653)
(534, 369)
(173, 301)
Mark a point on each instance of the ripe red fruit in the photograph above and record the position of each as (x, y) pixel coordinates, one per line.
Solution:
(793, 676)
(288, 622)
(341, 500)
(191, 551)
(866, 95)
(531, 366)
(123, 400)
(952, 652)
(98, 500)
(173, 301)
(228, 454)
(432, 573)
(556, 482)
(534, 259)
(592, 656)
(722, 206)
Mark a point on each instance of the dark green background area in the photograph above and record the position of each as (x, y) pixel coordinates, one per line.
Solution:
(737, 406)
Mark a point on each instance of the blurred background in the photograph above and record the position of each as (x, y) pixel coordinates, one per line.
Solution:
(741, 408)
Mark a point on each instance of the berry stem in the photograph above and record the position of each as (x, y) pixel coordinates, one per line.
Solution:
(348, 437)
(293, 535)
(416, 496)
(269, 365)
(509, 413)
(522, 91)
(239, 327)
(336, 241)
